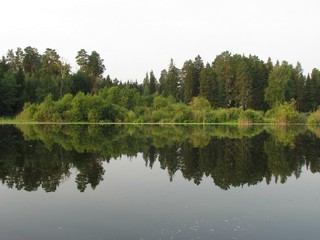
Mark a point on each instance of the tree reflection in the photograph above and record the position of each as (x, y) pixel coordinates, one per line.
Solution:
(43, 156)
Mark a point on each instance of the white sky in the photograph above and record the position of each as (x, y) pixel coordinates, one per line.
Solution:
(135, 36)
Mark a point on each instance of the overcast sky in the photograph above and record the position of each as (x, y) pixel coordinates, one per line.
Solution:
(135, 36)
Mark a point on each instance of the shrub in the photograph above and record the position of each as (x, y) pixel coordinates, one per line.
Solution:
(284, 114)
(160, 102)
(160, 115)
(314, 118)
(226, 115)
(62, 107)
(200, 107)
(79, 108)
(45, 111)
(27, 113)
(250, 116)
(182, 113)
(199, 103)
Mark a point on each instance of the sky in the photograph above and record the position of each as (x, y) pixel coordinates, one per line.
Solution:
(136, 36)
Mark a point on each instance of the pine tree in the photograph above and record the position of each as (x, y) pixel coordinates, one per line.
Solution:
(208, 85)
(191, 78)
(146, 83)
(163, 83)
(242, 84)
(188, 81)
(259, 81)
(298, 84)
(31, 61)
(315, 75)
(225, 79)
(152, 83)
(92, 65)
(198, 66)
(174, 82)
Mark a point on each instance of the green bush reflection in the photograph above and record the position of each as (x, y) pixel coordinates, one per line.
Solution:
(43, 156)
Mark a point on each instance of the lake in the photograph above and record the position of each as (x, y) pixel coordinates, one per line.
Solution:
(159, 182)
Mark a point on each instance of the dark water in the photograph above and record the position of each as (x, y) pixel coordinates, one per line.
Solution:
(159, 182)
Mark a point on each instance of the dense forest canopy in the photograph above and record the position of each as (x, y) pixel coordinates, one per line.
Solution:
(230, 81)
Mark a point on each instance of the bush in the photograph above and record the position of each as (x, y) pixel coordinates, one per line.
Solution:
(27, 113)
(284, 114)
(62, 107)
(79, 108)
(182, 113)
(46, 110)
(160, 115)
(160, 102)
(314, 118)
(226, 115)
(250, 116)
(200, 108)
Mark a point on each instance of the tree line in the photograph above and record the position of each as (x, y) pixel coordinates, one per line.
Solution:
(230, 81)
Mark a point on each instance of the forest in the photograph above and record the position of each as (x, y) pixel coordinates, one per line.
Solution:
(233, 88)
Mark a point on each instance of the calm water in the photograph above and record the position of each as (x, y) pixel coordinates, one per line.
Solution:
(153, 182)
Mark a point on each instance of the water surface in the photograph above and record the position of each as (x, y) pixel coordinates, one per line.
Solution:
(159, 182)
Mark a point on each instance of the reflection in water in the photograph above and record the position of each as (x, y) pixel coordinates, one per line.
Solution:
(34, 156)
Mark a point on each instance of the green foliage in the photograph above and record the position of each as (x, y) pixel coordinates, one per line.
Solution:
(232, 81)
(259, 73)
(182, 113)
(243, 83)
(190, 78)
(280, 84)
(152, 83)
(250, 116)
(208, 85)
(45, 110)
(92, 65)
(81, 82)
(81, 108)
(163, 83)
(298, 86)
(200, 103)
(222, 69)
(200, 107)
(31, 61)
(314, 118)
(62, 108)
(125, 97)
(160, 102)
(8, 94)
(230, 155)
(103, 111)
(311, 92)
(230, 115)
(284, 114)
(173, 82)
(146, 84)
(52, 65)
(285, 135)
(27, 113)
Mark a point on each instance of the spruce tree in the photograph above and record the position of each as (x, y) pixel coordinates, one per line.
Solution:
(152, 83)
(174, 82)
(163, 83)
(208, 85)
